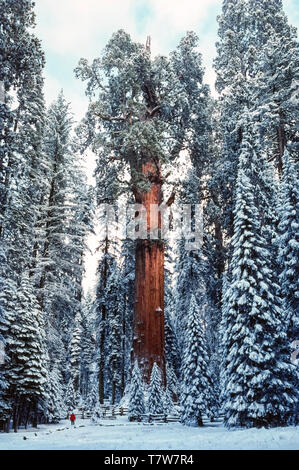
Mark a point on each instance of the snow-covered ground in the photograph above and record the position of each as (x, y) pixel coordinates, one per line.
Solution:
(120, 434)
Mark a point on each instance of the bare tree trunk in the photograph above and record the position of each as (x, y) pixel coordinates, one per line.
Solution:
(27, 415)
(113, 393)
(16, 414)
(148, 321)
(35, 416)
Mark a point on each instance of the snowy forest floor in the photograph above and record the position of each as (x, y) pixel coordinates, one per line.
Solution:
(121, 434)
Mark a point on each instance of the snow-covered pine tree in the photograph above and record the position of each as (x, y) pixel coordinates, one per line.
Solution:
(15, 44)
(93, 396)
(55, 408)
(8, 295)
(26, 167)
(258, 373)
(172, 383)
(288, 239)
(22, 171)
(223, 328)
(4, 327)
(198, 277)
(71, 397)
(288, 242)
(266, 184)
(196, 383)
(106, 270)
(127, 277)
(191, 264)
(171, 345)
(114, 354)
(274, 67)
(75, 352)
(172, 354)
(51, 265)
(155, 392)
(27, 368)
(97, 414)
(136, 401)
(167, 401)
(232, 85)
(87, 346)
(62, 226)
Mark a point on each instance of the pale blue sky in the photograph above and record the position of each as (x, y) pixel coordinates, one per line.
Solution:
(71, 29)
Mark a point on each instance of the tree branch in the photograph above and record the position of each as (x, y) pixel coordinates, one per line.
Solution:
(154, 111)
(110, 118)
(171, 199)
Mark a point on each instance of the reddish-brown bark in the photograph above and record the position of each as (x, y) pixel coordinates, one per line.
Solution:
(148, 340)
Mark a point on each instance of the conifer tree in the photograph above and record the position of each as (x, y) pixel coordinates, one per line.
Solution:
(155, 392)
(4, 326)
(27, 372)
(167, 402)
(232, 85)
(136, 403)
(171, 345)
(97, 414)
(288, 243)
(93, 396)
(196, 384)
(106, 276)
(71, 397)
(87, 346)
(288, 239)
(15, 45)
(172, 383)
(55, 409)
(59, 243)
(75, 353)
(258, 372)
(114, 343)
(127, 277)
(273, 59)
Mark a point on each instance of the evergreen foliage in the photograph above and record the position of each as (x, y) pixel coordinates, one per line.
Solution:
(155, 392)
(136, 403)
(196, 383)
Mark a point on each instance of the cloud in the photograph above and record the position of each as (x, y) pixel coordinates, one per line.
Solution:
(180, 14)
(70, 26)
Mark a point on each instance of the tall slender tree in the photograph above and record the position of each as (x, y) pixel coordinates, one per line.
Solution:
(136, 403)
(196, 382)
(288, 240)
(155, 392)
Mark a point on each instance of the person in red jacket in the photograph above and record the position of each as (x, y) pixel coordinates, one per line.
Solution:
(72, 419)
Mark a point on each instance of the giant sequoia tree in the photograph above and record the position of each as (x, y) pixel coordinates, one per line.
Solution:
(142, 114)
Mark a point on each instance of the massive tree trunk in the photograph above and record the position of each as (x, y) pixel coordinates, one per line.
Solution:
(148, 322)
